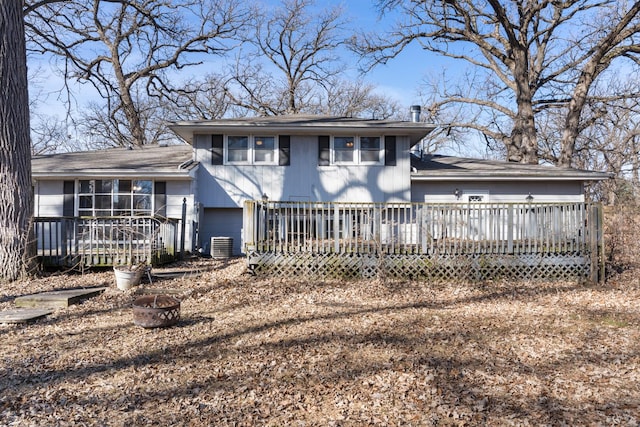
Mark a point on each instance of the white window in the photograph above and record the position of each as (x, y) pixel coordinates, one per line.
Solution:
(344, 149)
(251, 149)
(356, 150)
(264, 149)
(114, 197)
(238, 149)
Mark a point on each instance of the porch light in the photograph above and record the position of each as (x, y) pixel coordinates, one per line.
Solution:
(457, 192)
(529, 198)
(265, 197)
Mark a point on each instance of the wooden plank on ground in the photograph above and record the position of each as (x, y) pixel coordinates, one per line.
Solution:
(23, 315)
(57, 299)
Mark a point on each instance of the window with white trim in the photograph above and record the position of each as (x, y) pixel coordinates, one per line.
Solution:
(251, 149)
(357, 150)
(114, 197)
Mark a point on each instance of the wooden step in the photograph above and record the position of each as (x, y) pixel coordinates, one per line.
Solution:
(57, 299)
(23, 315)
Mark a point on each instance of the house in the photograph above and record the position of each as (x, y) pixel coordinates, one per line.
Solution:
(437, 178)
(82, 198)
(286, 158)
(295, 158)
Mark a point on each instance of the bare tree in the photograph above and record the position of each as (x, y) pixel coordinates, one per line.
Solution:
(527, 54)
(125, 49)
(293, 66)
(16, 199)
(200, 99)
(293, 55)
(358, 99)
(48, 135)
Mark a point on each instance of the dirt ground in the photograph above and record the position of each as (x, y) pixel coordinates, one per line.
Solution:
(286, 352)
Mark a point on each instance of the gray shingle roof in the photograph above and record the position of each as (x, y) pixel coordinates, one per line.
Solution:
(147, 161)
(303, 125)
(438, 167)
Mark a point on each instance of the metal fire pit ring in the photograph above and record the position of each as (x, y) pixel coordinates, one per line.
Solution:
(155, 311)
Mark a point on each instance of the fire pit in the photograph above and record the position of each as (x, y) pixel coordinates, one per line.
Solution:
(154, 311)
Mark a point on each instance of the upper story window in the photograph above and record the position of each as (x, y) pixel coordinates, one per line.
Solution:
(344, 149)
(357, 150)
(114, 197)
(237, 149)
(251, 149)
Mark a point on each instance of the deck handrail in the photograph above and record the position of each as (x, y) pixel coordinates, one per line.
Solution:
(422, 228)
(105, 241)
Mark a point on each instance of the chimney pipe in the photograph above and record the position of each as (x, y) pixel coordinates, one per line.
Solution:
(415, 113)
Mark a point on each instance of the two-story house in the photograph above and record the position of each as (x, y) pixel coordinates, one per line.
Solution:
(286, 158)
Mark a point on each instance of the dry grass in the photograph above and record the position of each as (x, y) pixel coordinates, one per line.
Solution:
(285, 352)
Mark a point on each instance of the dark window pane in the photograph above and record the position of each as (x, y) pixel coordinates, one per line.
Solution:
(86, 186)
(238, 148)
(103, 185)
(264, 148)
(238, 143)
(370, 149)
(343, 143)
(370, 156)
(123, 201)
(142, 203)
(343, 147)
(142, 187)
(370, 143)
(85, 202)
(103, 202)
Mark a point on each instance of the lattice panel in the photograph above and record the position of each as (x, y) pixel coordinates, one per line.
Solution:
(472, 267)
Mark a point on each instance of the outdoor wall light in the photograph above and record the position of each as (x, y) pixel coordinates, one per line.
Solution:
(529, 198)
(265, 197)
(457, 192)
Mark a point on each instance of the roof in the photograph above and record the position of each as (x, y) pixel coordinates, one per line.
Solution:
(303, 125)
(434, 167)
(151, 161)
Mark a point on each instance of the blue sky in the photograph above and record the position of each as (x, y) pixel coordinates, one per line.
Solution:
(399, 78)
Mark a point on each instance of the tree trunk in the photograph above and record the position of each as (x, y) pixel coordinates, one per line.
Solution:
(572, 122)
(524, 141)
(16, 198)
(129, 107)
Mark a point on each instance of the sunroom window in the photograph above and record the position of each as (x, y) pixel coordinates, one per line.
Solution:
(251, 149)
(114, 197)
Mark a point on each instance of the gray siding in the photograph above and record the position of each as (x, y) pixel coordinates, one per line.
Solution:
(230, 185)
(542, 192)
(49, 198)
(221, 223)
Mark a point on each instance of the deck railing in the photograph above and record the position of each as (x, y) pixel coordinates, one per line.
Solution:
(423, 229)
(106, 241)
